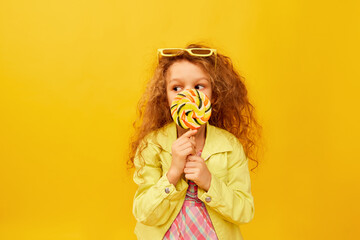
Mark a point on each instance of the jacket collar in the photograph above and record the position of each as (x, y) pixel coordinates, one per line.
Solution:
(215, 141)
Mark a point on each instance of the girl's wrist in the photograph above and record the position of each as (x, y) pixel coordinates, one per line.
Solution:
(173, 175)
(208, 184)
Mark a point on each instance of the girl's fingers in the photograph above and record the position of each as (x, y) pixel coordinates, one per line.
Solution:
(192, 141)
(190, 170)
(184, 141)
(190, 176)
(185, 146)
(189, 133)
(193, 158)
(191, 164)
(188, 151)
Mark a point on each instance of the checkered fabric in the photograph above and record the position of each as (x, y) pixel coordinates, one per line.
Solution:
(193, 221)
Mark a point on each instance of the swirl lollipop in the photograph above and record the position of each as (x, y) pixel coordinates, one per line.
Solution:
(190, 109)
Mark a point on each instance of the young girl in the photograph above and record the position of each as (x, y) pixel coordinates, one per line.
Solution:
(193, 184)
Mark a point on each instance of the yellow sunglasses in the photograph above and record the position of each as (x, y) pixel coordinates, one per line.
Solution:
(198, 52)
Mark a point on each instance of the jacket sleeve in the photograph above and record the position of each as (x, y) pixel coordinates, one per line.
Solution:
(156, 198)
(233, 198)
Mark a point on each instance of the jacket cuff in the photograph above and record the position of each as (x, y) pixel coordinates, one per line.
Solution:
(169, 191)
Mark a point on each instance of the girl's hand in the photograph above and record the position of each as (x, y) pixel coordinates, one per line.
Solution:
(197, 171)
(181, 148)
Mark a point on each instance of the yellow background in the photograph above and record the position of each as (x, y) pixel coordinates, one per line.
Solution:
(71, 73)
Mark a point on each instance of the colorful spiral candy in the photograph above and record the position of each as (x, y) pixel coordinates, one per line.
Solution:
(191, 109)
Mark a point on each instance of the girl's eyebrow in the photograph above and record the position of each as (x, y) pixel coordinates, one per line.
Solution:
(174, 79)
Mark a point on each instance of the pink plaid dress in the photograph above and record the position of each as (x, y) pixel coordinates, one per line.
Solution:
(193, 221)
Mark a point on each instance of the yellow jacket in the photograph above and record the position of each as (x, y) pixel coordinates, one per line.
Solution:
(228, 201)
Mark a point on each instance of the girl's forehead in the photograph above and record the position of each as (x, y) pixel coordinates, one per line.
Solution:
(185, 70)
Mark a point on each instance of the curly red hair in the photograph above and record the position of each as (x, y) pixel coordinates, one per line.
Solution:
(231, 109)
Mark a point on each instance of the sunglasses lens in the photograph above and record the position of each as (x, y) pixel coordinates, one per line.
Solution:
(172, 51)
(201, 51)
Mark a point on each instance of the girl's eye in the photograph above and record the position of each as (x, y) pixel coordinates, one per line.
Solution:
(176, 89)
(199, 87)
